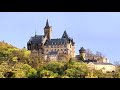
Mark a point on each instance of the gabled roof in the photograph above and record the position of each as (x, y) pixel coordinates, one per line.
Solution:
(65, 35)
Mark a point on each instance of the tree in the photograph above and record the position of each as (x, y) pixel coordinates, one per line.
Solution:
(36, 61)
(56, 67)
(89, 54)
(47, 74)
(76, 69)
(63, 56)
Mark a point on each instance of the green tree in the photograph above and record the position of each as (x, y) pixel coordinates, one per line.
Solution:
(76, 69)
(47, 74)
(56, 67)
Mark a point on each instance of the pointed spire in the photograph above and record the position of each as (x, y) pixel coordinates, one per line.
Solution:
(65, 35)
(35, 32)
(47, 24)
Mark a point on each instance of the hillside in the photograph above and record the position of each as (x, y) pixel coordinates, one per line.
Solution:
(20, 63)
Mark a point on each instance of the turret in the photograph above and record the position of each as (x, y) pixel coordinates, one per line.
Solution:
(82, 53)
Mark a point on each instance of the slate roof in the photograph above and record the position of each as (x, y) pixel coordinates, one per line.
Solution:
(60, 41)
(65, 35)
(37, 39)
(82, 49)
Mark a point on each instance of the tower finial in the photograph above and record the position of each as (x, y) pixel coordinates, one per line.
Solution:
(47, 24)
(35, 32)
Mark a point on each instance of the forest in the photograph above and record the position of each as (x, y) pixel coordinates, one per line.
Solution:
(20, 63)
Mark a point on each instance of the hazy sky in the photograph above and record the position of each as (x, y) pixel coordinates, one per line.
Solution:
(98, 31)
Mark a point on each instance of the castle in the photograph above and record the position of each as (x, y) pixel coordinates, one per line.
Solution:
(52, 48)
(44, 44)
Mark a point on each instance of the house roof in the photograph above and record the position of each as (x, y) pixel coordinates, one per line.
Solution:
(82, 49)
(65, 35)
(37, 39)
(97, 63)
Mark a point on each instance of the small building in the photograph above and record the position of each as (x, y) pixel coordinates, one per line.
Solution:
(105, 67)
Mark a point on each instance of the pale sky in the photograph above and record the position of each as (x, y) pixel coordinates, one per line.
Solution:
(98, 31)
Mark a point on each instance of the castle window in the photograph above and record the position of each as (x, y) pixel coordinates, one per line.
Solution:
(61, 50)
(58, 49)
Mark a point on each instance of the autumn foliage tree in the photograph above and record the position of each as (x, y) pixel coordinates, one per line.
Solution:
(21, 63)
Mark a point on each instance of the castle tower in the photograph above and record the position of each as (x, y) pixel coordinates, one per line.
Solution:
(82, 53)
(47, 30)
